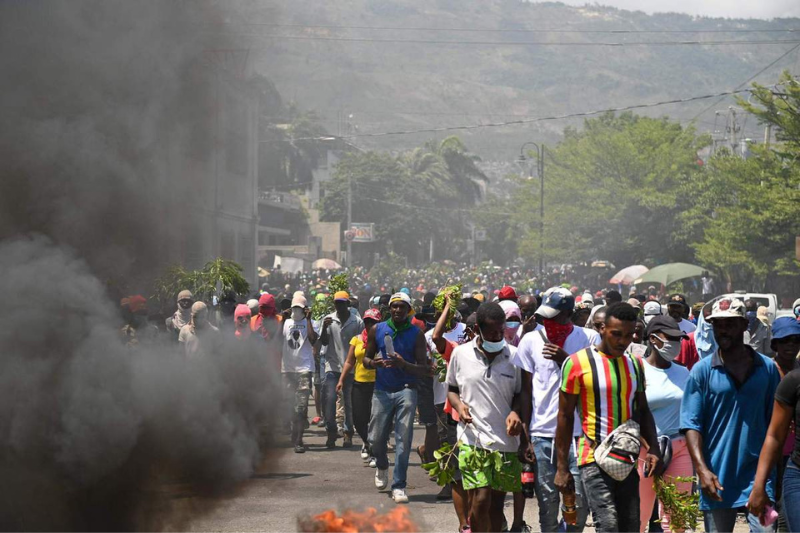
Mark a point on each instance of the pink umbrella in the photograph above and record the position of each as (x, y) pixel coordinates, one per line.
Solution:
(628, 274)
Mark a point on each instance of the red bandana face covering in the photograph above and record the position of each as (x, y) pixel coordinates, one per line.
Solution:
(557, 333)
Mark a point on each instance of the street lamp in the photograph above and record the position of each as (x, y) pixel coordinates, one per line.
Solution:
(540, 162)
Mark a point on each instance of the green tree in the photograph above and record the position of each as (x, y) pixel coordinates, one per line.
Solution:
(613, 191)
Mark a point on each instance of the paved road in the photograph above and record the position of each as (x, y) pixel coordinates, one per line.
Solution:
(289, 485)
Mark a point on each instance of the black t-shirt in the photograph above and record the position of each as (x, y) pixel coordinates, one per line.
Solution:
(789, 393)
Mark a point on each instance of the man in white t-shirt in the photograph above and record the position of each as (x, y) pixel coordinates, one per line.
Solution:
(484, 388)
(297, 366)
(678, 309)
(540, 355)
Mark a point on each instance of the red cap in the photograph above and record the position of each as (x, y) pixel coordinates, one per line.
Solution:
(137, 302)
(507, 293)
(267, 299)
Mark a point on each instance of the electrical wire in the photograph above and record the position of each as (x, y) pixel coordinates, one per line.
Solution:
(522, 43)
(518, 122)
(748, 80)
(499, 30)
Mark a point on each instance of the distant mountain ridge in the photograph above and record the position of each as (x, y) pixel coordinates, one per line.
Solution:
(390, 86)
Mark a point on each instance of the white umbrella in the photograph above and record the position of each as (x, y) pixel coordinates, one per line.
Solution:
(627, 275)
(327, 264)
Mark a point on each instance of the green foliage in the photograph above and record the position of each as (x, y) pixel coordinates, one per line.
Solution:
(215, 278)
(323, 307)
(683, 507)
(413, 197)
(613, 191)
(454, 292)
(443, 468)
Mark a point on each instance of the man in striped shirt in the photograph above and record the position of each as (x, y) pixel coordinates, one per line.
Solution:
(608, 388)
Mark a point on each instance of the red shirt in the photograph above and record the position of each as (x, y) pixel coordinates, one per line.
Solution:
(688, 356)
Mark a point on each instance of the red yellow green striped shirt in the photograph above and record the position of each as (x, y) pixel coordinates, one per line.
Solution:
(607, 387)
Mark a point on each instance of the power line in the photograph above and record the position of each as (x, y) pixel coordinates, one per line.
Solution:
(748, 80)
(522, 43)
(500, 30)
(521, 121)
(467, 210)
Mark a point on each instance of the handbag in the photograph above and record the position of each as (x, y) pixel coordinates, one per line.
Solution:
(618, 452)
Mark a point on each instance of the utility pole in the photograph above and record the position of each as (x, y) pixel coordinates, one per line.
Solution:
(349, 261)
(540, 167)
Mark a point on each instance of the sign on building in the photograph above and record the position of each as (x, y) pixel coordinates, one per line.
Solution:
(361, 232)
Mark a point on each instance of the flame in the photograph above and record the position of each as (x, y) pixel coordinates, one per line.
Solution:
(350, 521)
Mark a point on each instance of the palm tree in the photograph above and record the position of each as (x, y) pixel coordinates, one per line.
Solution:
(466, 177)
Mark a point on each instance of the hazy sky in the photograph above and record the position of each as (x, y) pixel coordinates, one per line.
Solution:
(763, 9)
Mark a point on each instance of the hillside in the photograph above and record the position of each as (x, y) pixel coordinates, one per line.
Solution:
(388, 86)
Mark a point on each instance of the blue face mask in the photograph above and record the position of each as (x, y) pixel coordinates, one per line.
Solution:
(490, 346)
(512, 325)
(752, 316)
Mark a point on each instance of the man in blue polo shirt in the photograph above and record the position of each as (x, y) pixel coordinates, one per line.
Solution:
(725, 414)
(398, 351)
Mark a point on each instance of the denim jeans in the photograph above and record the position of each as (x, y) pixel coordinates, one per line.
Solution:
(791, 496)
(723, 520)
(547, 495)
(393, 410)
(329, 403)
(614, 504)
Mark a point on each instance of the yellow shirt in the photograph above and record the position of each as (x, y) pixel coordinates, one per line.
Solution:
(363, 374)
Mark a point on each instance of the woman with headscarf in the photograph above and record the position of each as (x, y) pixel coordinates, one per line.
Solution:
(267, 323)
(199, 337)
(182, 315)
(513, 321)
(241, 322)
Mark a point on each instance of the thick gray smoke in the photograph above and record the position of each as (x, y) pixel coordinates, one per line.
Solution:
(95, 436)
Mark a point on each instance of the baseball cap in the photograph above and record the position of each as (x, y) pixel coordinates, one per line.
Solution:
(785, 326)
(676, 299)
(728, 308)
(665, 324)
(341, 296)
(400, 297)
(299, 301)
(507, 293)
(372, 314)
(556, 300)
(651, 309)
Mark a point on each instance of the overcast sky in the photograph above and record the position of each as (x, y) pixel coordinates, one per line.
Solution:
(762, 9)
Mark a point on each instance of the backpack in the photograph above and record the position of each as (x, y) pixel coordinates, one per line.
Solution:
(618, 452)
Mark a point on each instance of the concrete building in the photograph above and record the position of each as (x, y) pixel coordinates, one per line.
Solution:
(219, 179)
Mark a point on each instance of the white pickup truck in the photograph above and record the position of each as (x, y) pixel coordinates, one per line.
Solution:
(770, 301)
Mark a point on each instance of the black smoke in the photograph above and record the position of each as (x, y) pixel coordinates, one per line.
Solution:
(93, 435)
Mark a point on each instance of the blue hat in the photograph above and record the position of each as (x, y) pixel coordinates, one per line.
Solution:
(785, 326)
(556, 300)
(406, 290)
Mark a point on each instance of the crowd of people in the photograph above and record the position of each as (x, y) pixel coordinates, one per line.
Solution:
(596, 394)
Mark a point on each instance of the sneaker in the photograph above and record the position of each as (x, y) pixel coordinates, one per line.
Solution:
(364, 453)
(466, 529)
(381, 478)
(373, 463)
(316, 420)
(399, 496)
(330, 443)
(299, 449)
(321, 423)
(348, 441)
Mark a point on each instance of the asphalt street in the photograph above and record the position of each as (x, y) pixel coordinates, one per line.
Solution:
(290, 485)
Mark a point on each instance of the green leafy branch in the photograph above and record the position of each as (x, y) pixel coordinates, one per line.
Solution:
(323, 307)
(683, 507)
(215, 278)
(443, 468)
(454, 291)
(441, 366)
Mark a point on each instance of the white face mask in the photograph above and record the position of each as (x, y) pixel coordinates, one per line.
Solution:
(669, 350)
(298, 314)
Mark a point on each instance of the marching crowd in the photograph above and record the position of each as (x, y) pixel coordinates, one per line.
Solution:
(598, 395)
